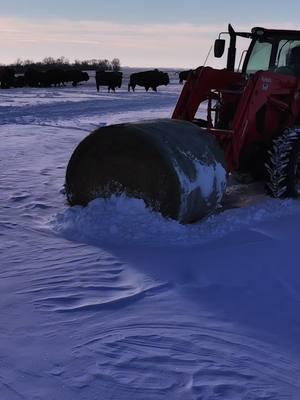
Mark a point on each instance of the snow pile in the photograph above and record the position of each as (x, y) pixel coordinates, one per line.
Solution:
(120, 220)
(117, 220)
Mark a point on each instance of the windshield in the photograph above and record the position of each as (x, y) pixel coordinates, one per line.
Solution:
(270, 54)
(260, 57)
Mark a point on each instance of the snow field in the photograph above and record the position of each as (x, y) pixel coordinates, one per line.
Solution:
(112, 301)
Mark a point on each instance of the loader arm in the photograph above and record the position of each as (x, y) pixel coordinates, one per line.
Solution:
(198, 88)
(253, 111)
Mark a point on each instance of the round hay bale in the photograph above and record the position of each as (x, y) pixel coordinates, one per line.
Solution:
(176, 167)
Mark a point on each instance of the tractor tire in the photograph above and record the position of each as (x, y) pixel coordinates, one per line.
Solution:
(283, 165)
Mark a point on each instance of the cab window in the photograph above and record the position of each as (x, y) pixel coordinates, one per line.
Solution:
(259, 58)
(284, 48)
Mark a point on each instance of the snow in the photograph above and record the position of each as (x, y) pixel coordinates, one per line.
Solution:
(208, 178)
(112, 301)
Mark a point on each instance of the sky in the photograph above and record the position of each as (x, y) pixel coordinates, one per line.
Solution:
(160, 33)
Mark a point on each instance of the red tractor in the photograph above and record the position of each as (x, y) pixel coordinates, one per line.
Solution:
(178, 166)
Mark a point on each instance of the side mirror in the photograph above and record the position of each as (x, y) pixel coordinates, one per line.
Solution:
(219, 47)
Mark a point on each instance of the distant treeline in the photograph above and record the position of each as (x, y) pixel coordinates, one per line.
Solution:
(49, 63)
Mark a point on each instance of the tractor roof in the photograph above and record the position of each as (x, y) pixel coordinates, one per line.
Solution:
(264, 32)
(259, 31)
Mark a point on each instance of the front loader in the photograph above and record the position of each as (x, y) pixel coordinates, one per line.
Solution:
(179, 166)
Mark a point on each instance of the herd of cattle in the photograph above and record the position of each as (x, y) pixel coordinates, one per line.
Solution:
(110, 79)
(36, 78)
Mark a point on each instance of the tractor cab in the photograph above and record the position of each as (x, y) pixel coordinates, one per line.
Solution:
(269, 50)
(272, 50)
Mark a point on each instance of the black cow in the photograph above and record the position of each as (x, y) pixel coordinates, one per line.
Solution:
(111, 79)
(55, 76)
(19, 81)
(7, 77)
(34, 78)
(75, 76)
(148, 79)
(183, 75)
